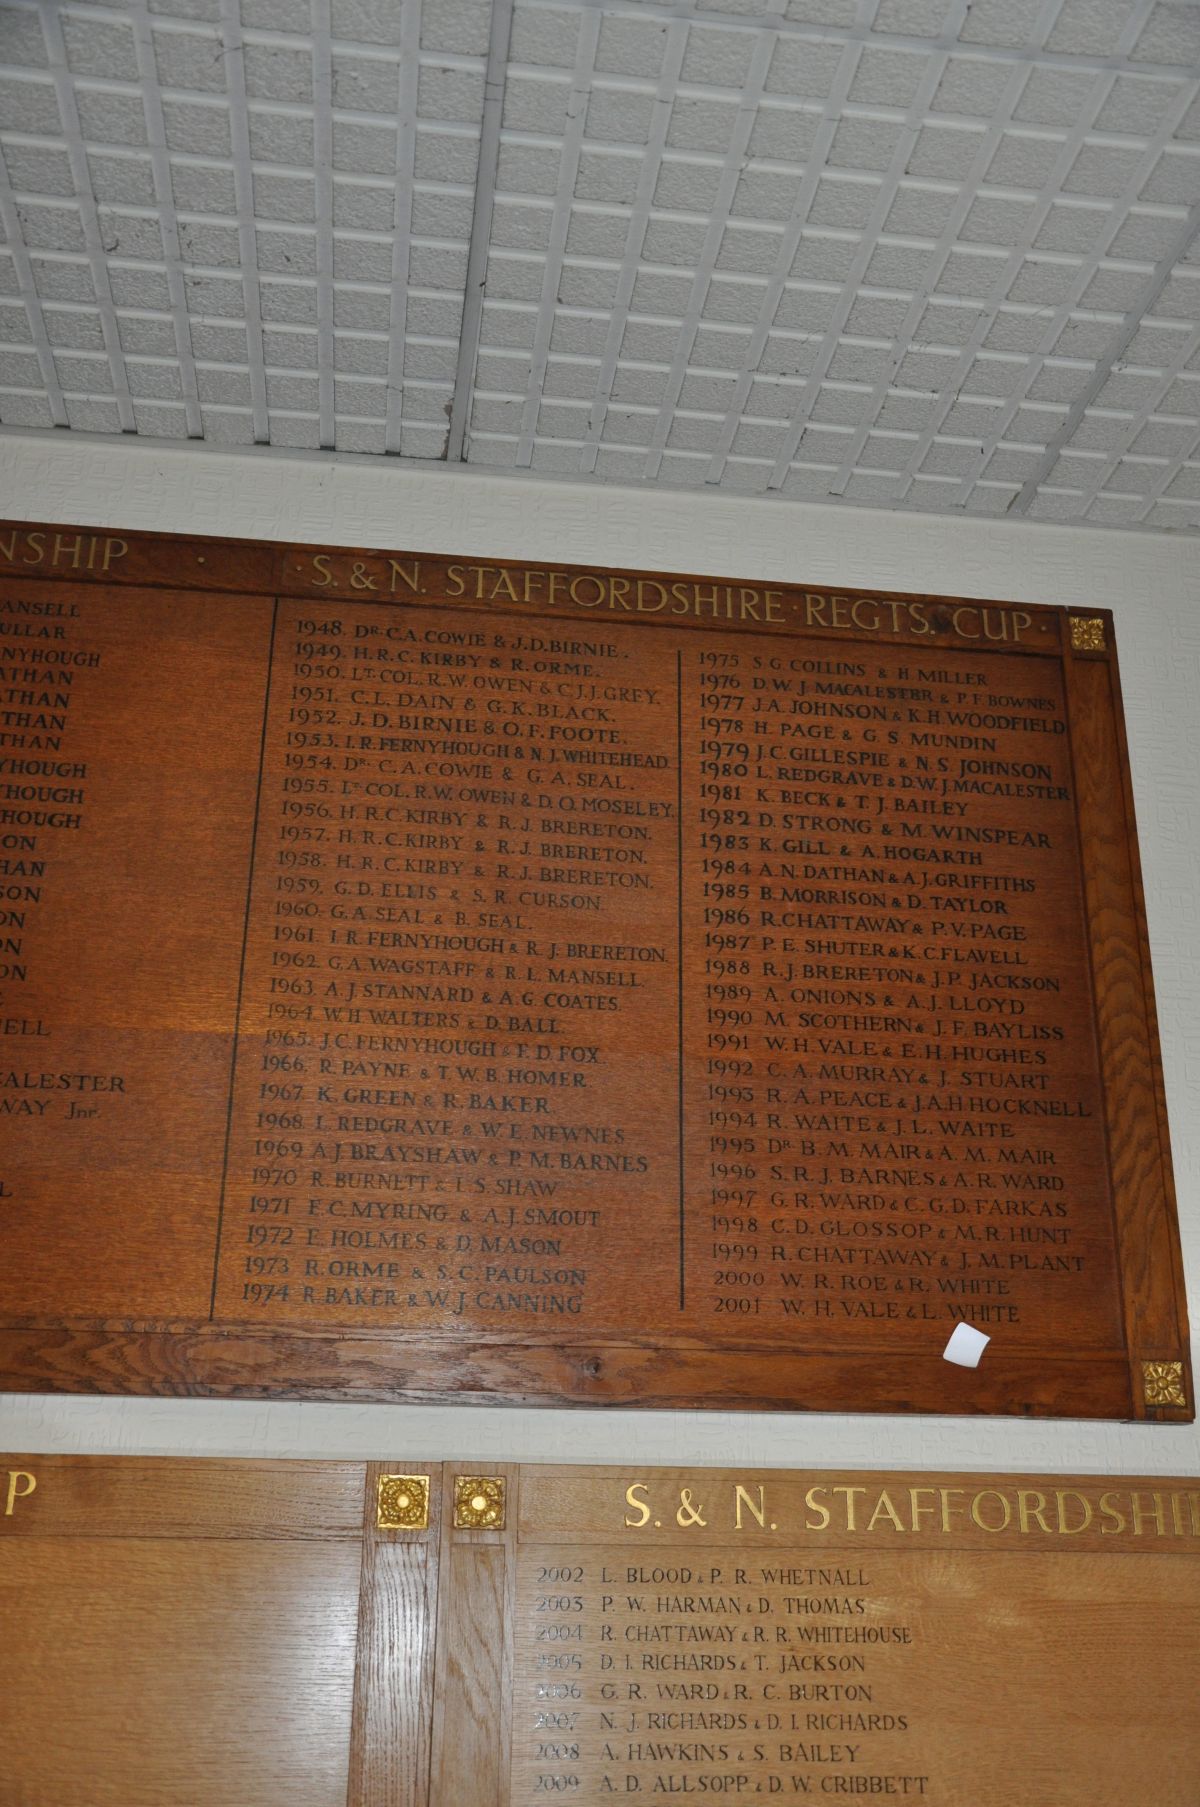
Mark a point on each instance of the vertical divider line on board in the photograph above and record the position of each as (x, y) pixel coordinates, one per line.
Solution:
(237, 1014)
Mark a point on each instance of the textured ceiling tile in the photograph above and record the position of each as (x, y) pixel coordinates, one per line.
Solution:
(861, 143)
(1074, 229)
(95, 46)
(888, 78)
(716, 58)
(536, 106)
(627, 46)
(1172, 34)
(187, 9)
(803, 69)
(919, 212)
(29, 106)
(1175, 179)
(1055, 96)
(944, 151)
(547, 37)
(1091, 27)
(277, 15)
(750, 251)
(275, 72)
(1009, 23)
(190, 60)
(972, 86)
(619, 117)
(367, 21)
(708, 125)
(664, 185)
(912, 18)
(21, 39)
(146, 337)
(34, 169)
(1021, 160)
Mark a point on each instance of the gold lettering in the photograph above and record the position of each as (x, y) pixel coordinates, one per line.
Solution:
(976, 1513)
(16, 1491)
(1060, 1500)
(1110, 1511)
(650, 608)
(1027, 1510)
(1020, 620)
(556, 578)
(748, 600)
(918, 620)
(814, 609)
(409, 574)
(504, 587)
(742, 1498)
(773, 600)
(582, 602)
(914, 1504)
(856, 615)
(114, 548)
(850, 1492)
(533, 581)
(839, 615)
(956, 621)
(321, 561)
(814, 1505)
(1157, 1512)
(73, 548)
(688, 1514)
(948, 1494)
(885, 1509)
(640, 1506)
(454, 580)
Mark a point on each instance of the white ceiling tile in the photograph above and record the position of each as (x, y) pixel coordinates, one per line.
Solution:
(278, 72)
(368, 21)
(1055, 96)
(29, 106)
(95, 46)
(722, 249)
(717, 58)
(1092, 27)
(195, 130)
(545, 37)
(1175, 179)
(1010, 23)
(971, 85)
(628, 46)
(708, 124)
(803, 69)
(1172, 34)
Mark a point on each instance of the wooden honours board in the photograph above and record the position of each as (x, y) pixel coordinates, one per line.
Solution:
(209, 1634)
(428, 976)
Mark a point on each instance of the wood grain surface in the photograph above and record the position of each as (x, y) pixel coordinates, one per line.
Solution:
(423, 977)
(222, 1633)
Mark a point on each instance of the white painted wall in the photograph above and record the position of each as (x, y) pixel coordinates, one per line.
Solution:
(1149, 581)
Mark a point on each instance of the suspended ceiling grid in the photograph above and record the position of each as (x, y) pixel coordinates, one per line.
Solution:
(920, 254)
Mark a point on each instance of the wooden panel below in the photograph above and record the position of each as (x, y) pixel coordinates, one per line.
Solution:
(510, 1636)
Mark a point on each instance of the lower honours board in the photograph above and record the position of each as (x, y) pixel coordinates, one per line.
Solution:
(421, 976)
(211, 1634)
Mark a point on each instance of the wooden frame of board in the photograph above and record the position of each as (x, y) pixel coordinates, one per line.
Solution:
(429, 977)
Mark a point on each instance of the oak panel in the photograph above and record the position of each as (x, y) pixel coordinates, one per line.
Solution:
(569, 984)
